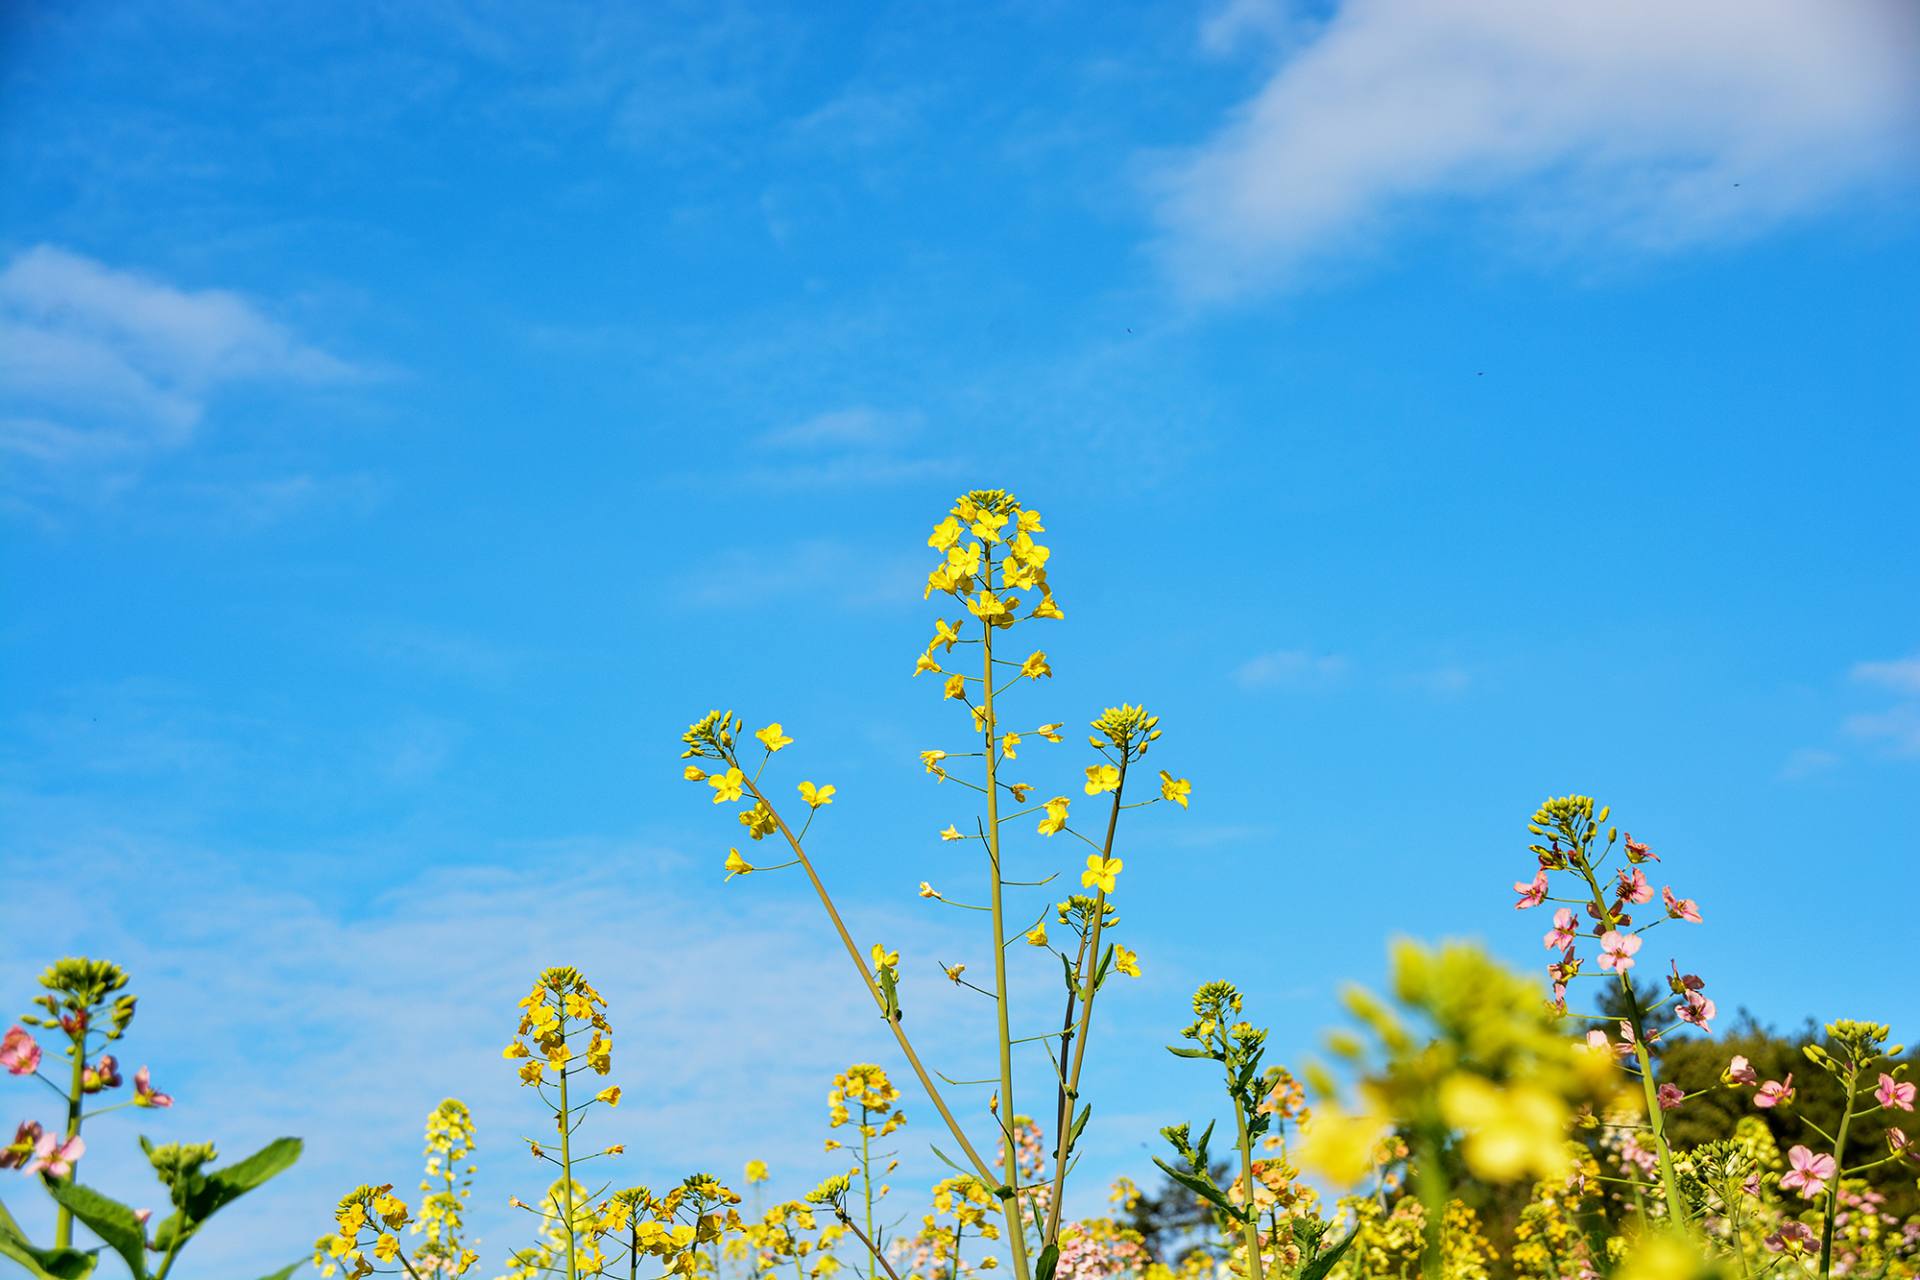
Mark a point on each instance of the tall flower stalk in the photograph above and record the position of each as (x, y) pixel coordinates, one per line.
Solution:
(1571, 828)
(990, 564)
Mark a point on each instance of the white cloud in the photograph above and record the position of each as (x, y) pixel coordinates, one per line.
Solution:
(1291, 669)
(850, 448)
(1898, 728)
(274, 1002)
(1899, 674)
(1630, 121)
(1808, 762)
(99, 364)
(857, 427)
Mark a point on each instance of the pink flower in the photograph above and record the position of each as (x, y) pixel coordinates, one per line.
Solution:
(1637, 852)
(1679, 908)
(1597, 1041)
(143, 1092)
(1740, 1071)
(1640, 1157)
(1561, 935)
(1809, 1173)
(1897, 1139)
(1616, 950)
(1774, 1092)
(104, 1074)
(1670, 1096)
(1795, 1237)
(1634, 886)
(1894, 1093)
(143, 1216)
(1532, 892)
(16, 1153)
(19, 1052)
(54, 1157)
(1696, 1009)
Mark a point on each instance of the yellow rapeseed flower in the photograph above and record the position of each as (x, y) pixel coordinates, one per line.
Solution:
(1102, 777)
(1100, 871)
(1175, 789)
(1056, 819)
(816, 796)
(1125, 961)
(726, 786)
(737, 865)
(772, 739)
(1035, 666)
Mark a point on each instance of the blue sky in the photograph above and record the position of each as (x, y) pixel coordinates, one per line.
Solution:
(411, 418)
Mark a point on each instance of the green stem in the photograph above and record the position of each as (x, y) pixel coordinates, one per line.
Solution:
(1016, 1227)
(1431, 1180)
(1839, 1170)
(566, 1163)
(1251, 1227)
(920, 1072)
(63, 1223)
(866, 1179)
(1091, 959)
(1636, 1018)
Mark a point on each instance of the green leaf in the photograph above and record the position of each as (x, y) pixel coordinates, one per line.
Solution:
(224, 1186)
(950, 1164)
(1073, 1134)
(1049, 1259)
(1324, 1261)
(286, 1271)
(43, 1264)
(1178, 1052)
(107, 1218)
(1200, 1186)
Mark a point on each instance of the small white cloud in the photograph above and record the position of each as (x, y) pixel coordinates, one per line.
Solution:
(1897, 728)
(859, 427)
(1447, 681)
(1899, 674)
(747, 578)
(1291, 669)
(1629, 122)
(100, 365)
(1808, 762)
(851, 448)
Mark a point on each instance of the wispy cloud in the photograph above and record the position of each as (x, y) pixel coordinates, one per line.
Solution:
(1292, 669)
(1899, 674)
(103, 366)
(1641, 123)
(1895, 728)
(354, 1013)
(749, 577)
(1808, 762)
(856, 447)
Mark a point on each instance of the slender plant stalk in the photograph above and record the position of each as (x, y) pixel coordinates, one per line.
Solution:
(1839, 1171)
(566, 1162)
(76, 1092)
(1636, 1018)
(1084, 972)
(866, 1179)
(847, 1221)
(981, 1167)
(1251, 1228)
(1016, 1229)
